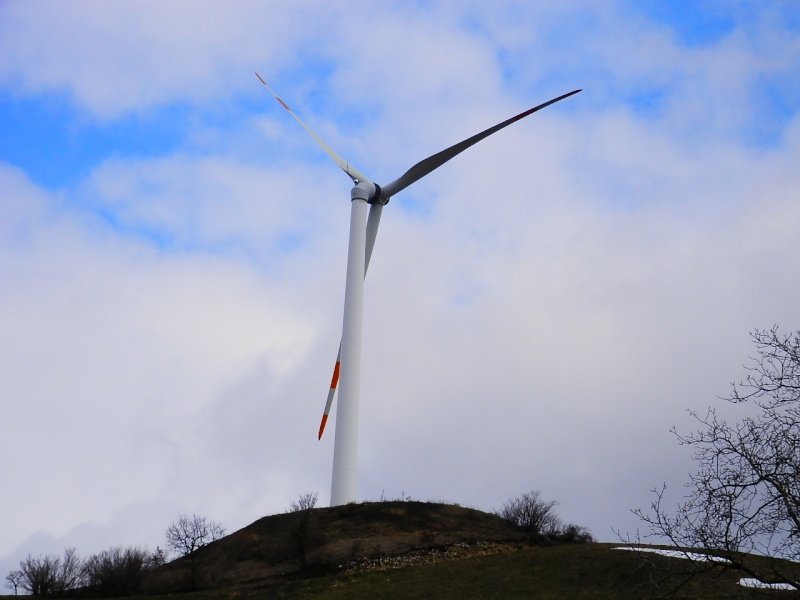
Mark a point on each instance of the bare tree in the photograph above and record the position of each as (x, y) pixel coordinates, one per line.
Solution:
(301, 532)
(304, 502)
(533, 514)
(70, 571)
(38, 574)
(114, 572)
(745, 495)
(117, 571)
(14, 580)
(187, 534)
(51, 575)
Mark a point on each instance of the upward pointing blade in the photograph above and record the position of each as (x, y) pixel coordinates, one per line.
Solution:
(422, 168)
(371, 232)
(351, 171)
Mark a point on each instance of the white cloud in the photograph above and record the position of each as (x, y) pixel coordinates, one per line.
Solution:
(538, 313)
(133, 56)
(109, 350)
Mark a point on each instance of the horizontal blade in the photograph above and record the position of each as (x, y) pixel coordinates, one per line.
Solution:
(422, 168)
(351, 171)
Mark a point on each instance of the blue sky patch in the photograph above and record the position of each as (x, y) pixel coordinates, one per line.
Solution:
(694, 23)
(57, 146)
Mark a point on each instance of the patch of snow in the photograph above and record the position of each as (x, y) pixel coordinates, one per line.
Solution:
(751, 582)
(696, 556)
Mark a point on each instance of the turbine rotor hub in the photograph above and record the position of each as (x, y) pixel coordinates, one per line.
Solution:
(368, 192)
(378, 197)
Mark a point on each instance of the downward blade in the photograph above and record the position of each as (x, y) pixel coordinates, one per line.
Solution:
(331, 392)
(351, 171)
(424, 167)
(373, 221)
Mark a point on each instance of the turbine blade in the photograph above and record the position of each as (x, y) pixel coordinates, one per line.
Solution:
(322, 425)
(331, 392)
(351, 171)
(422, 168)
(373, 221)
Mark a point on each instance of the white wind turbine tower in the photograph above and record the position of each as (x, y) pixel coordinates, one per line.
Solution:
(363, 231)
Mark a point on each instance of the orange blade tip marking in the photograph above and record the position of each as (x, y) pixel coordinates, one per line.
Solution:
(322, 426)
(335, 378)
(283, 104)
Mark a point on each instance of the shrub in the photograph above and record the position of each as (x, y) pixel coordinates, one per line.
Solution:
(117, 571)
(533, 514)
(50, 575)
(304, 502)
(538, 518)
(574, 534)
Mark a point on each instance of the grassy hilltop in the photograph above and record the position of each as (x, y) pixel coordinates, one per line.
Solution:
(423, 550)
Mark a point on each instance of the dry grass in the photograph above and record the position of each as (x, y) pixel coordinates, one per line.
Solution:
(423, 550)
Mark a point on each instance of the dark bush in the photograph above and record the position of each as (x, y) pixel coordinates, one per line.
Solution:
(117, 571)
(538, 518)
(574, 534)
(533, 514)
(50, 575)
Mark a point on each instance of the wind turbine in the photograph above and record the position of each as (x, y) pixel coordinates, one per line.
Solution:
(363, 231)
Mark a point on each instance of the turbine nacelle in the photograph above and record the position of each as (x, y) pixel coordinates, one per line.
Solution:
(369, 192)
(363, 190)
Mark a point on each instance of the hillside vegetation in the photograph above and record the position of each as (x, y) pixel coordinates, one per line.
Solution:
(424, 550)
(326, 540)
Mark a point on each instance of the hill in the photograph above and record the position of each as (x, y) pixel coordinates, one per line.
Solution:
(326, 540)
(423, 550)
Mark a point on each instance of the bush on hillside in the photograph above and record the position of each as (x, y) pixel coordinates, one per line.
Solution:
(119, 571)
(110, 573)
(531, 513)
(537, 517)
(304, 502)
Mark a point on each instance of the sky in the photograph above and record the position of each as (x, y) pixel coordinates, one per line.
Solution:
(539, 312)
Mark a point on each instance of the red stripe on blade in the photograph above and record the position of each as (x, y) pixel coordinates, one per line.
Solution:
(335, 379)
